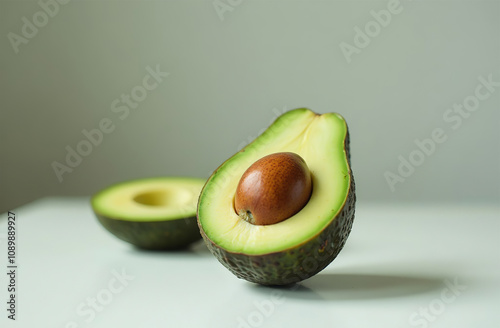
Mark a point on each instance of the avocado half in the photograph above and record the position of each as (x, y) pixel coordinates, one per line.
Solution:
(304, 244)
(155, 213)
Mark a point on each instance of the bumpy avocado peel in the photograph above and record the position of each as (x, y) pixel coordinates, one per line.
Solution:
(154, 235)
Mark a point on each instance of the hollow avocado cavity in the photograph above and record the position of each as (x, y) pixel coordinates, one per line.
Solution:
(149, 199)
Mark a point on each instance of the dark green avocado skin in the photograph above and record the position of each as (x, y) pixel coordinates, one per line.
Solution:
(298, 263)
(154, 235)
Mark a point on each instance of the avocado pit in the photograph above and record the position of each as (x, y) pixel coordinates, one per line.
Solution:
(273, 189)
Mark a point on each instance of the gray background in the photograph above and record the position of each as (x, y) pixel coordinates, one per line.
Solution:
(230, 78)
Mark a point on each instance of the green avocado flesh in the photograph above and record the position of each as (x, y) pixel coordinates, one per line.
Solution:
(302, 245)
(156, 213)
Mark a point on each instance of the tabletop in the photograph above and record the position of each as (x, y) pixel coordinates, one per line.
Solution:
(404, 265)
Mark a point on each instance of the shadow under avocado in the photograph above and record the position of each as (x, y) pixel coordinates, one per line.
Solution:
(369, 286)
(288, 291)
(197, 248)
(331, 286)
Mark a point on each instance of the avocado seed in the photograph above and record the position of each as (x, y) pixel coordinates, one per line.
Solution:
(273, 189)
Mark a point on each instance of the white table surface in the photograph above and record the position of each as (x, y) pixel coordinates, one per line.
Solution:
(397, 264)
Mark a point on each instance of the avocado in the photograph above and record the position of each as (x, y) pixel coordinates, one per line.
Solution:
(303, 244)
(154, 213)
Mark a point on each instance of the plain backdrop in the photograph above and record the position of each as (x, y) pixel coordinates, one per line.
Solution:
(234, 66)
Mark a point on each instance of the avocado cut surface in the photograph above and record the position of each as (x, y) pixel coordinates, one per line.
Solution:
(305, 243)
(155, 213)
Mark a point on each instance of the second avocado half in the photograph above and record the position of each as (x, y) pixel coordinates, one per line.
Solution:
(305, 243)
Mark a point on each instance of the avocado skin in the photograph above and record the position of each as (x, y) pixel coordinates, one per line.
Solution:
(300, 262)
(154, 235)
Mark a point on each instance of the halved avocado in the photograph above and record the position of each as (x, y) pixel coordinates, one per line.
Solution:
(155, 213)
(304, 244)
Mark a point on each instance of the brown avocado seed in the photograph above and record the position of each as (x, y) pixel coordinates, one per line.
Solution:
(273, 189)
